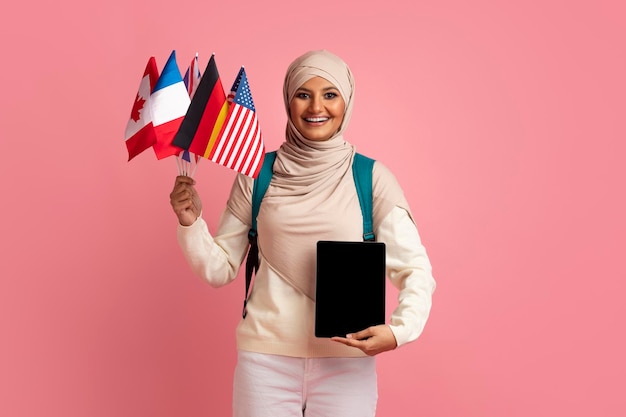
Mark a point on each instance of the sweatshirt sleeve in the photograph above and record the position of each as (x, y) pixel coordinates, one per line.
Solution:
(409, 270)
(215, 259)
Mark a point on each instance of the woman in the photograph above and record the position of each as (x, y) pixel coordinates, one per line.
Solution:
(282, 368)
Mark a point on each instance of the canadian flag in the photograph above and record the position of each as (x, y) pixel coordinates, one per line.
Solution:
(140, 134)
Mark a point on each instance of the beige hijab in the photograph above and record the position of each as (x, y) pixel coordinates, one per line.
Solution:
(311, 164)
(312, 195)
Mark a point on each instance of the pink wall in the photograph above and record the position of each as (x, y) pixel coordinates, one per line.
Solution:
(504, 124)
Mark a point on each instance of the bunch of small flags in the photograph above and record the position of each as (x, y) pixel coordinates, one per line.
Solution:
(190, 117)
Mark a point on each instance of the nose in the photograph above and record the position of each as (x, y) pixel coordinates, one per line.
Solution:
(316, 105)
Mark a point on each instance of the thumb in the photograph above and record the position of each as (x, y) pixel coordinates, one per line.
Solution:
(363, 334)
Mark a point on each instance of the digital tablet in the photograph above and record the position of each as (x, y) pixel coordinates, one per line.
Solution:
(350, 287)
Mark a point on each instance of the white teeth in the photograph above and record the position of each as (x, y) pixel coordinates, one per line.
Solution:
(316, 119)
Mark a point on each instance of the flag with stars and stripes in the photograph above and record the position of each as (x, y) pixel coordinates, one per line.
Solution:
(239, 145)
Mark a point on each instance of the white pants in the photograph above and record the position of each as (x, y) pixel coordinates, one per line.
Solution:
(282, 386)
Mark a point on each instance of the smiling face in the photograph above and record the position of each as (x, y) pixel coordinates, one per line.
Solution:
(317, 109)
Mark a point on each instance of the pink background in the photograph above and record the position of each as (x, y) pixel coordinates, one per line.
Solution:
(504, 124)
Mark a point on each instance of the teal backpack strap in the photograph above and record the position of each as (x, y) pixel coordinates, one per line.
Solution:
(362, 167)
(261, 183)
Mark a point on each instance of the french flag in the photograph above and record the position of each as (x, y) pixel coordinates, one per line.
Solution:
(170, 101)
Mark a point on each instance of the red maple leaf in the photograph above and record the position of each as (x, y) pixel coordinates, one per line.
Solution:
(134, 113)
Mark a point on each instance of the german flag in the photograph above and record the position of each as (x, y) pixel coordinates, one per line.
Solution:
(206, 114)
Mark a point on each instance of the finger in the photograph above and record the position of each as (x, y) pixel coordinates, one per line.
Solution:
(179, 187)
(180, 206)
(343, 340)
(183, 206)
(176, 199)
(176, 192)
(182, 183)
(194, 193)
(183, 179)
(349, 341)
(362, 335)
(182, 194)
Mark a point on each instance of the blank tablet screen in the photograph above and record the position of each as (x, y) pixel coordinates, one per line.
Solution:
(350, 287)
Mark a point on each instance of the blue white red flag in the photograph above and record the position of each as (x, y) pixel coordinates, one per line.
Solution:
(170, 101)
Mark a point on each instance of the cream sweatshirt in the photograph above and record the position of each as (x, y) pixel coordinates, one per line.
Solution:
(280, 318)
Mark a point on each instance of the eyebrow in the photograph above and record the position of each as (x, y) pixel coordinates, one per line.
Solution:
(332, 87)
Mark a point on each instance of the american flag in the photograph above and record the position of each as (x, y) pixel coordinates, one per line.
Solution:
(240, 144)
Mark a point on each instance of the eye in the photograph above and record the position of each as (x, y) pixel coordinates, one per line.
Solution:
(302, 95)
(330, 95)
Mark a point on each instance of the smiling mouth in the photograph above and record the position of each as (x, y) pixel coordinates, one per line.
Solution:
(316, 119)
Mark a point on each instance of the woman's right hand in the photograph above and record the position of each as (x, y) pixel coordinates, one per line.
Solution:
(185, 200)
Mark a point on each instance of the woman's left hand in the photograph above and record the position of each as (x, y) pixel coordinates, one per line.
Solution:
(371, 341)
